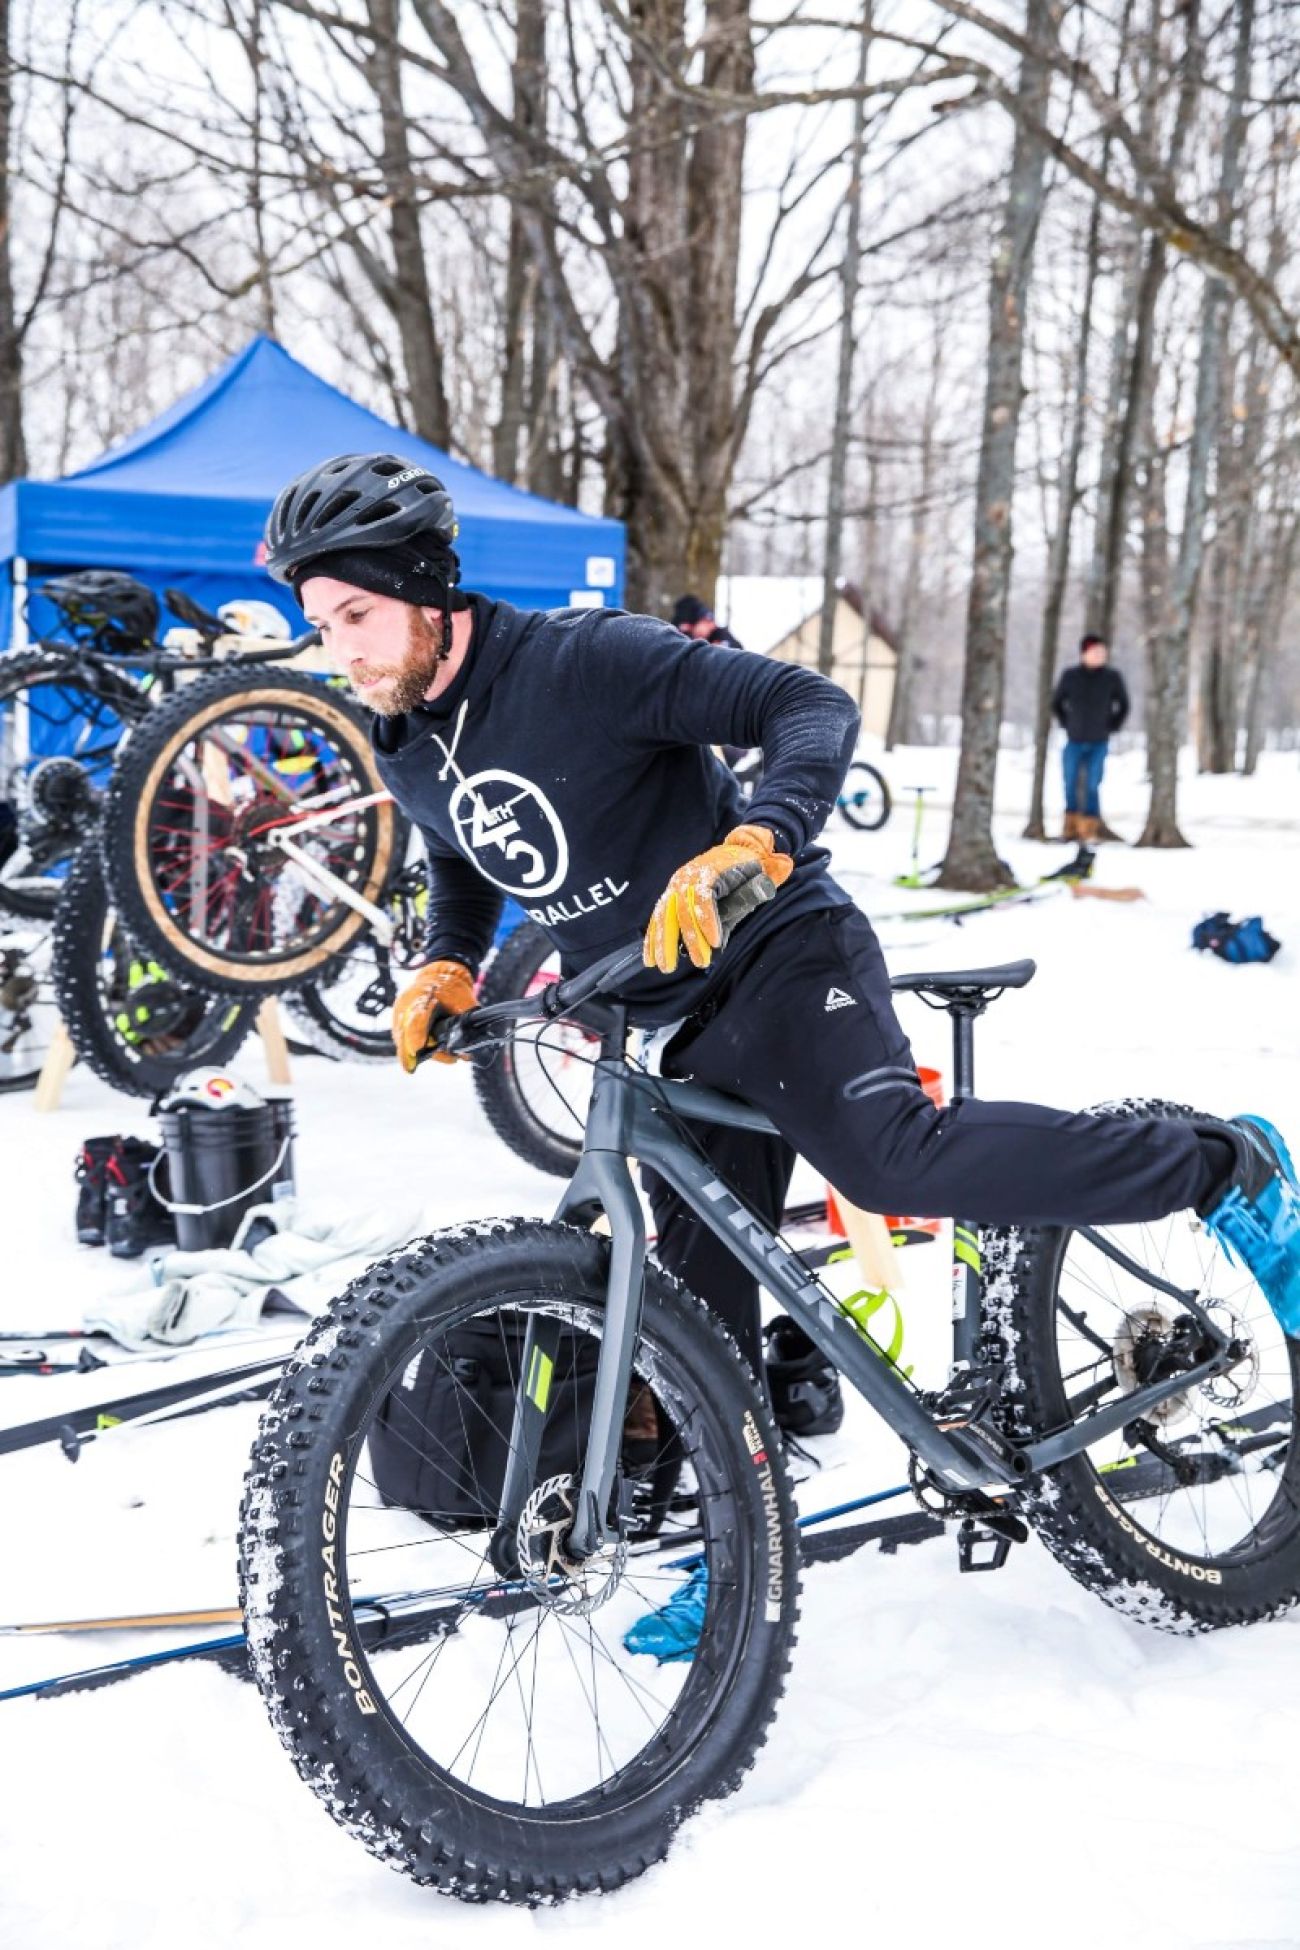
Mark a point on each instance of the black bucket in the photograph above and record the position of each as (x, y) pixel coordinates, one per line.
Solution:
(222, 1159)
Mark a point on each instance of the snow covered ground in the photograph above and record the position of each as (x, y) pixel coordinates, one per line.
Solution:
(978, 1759)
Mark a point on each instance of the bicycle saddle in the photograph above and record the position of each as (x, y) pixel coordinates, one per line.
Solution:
(969, 981)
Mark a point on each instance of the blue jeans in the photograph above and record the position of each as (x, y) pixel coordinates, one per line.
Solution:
(1088, 760)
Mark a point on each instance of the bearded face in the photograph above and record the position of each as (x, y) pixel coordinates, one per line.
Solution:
(389, 651)
(391, 688)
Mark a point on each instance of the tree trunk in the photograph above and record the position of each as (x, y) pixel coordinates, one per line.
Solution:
(1131, 373)
(409, 299)
(971, 860)
(1169, 701)
(850, 272)
(1100, 591)
(1058, 567)
(528, 77)
(1270, 631)
(900, 728)
(13, 445)
(675, 270)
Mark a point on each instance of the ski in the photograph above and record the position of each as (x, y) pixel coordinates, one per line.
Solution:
(130, 1622)
(888, 1534)
(31, 1357)
(1061, 878)
(76, 1426)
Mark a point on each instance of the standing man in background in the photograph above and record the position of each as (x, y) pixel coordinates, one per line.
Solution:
(1089, 703)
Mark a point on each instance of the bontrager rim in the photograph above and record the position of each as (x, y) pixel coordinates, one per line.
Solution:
(504, 1697)
(192, 851)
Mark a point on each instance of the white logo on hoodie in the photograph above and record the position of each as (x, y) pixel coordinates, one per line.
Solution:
(510, 830)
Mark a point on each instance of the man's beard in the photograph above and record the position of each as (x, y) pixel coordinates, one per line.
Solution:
(413, 678)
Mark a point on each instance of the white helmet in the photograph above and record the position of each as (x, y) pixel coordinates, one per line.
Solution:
(215, 1088)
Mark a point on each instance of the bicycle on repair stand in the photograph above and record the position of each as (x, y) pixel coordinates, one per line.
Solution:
(454, 1675)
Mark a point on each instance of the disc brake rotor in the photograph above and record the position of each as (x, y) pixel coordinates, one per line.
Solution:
(556, 1580)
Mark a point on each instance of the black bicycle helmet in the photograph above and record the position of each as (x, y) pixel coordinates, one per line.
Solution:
(113, 609)
(357, 501)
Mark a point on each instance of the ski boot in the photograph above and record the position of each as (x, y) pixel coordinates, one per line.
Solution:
(803, 1386)
(136, 1220)
(1257, 1219)
(92, 1188)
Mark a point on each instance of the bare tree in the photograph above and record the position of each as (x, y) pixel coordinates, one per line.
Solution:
(850, 273)
(1171, 648)
(971, 860)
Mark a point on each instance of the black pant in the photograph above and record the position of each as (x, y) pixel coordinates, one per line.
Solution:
(805, 1030)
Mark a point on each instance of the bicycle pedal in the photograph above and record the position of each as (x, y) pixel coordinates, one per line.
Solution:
(986, 1546)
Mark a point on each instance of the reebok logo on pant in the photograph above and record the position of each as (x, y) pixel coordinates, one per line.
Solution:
(837, 999)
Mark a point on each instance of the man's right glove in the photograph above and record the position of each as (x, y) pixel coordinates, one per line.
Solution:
(744, 870)
(440, 989)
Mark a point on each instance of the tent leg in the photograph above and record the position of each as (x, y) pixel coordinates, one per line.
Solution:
(59, 1060)
(274, 1046)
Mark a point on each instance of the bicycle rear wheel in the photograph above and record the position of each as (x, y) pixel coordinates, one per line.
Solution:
(61, 720)
(536, 1091)
(189, 822)
(497, 1737)
(864, 797)
(1191, 1519)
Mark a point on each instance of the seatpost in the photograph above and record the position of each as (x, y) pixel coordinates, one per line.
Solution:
(963, 1015)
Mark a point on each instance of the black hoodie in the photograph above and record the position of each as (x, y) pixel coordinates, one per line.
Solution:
(568, 764)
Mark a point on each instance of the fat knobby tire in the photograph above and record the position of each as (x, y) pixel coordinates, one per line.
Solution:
(19, 671)
(1086, 1529)
(503, 1102)
(141, 767)
(84, 917)
(374, 1782)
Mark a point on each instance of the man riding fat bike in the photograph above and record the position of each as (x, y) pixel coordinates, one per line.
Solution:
(564, 757)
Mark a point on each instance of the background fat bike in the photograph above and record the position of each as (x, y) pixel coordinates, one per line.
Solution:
(1126, 1392)
(66, 711)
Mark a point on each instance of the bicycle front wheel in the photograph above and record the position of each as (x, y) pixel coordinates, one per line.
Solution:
(865, 800)
(199, 795)
(498, 1737)
(1188, 1519)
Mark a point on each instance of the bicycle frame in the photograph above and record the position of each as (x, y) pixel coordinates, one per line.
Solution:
(634, 1115)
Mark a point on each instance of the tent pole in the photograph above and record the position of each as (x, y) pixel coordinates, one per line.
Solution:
(19, 636)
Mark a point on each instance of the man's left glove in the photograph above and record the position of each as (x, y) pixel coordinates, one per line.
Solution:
(745, 866)
(440, 989)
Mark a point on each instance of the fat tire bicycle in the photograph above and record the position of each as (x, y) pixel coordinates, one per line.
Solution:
(465, 1698)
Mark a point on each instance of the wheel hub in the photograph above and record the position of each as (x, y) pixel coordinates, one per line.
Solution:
(1154, 1344)
(556, 1579)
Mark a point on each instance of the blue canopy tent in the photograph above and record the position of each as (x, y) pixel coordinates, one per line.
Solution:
(183, 502)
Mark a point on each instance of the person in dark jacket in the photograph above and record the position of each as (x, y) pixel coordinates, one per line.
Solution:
(564, 757)
(695, 619)
(1089, 703)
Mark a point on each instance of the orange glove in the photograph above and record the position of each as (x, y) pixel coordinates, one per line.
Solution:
(440, 989)
(745, 866)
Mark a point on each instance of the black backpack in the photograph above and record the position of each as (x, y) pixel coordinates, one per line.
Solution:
(440, 1439)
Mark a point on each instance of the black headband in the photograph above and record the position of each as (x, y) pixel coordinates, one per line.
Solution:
(424, 580)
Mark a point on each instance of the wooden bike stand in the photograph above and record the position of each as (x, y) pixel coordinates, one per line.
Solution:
(61, 1056)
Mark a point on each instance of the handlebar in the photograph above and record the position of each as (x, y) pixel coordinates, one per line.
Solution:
(456, 1035)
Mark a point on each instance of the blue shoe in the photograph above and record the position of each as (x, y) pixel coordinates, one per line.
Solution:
(672, 1633)
(1257, 1221)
